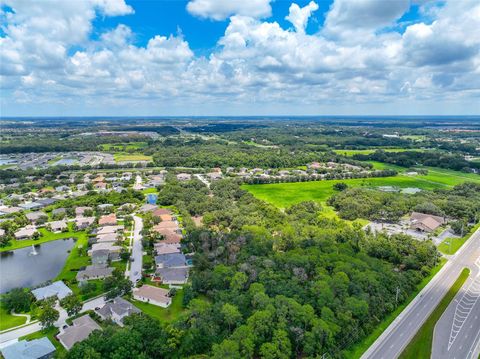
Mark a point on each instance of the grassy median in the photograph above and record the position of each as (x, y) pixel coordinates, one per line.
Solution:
(421, 345)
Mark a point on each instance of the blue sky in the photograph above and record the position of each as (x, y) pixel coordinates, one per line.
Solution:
(241, 57)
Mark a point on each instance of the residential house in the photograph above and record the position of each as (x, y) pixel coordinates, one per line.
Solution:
(116, 310)
(2, 232)
(100, 256)
(9, 210)
(34, 217)
(166, 248)
(44, 202)
(184, 177)
(108, 220)
(107, 238)
(172, 275)
(108, 229)
(41, 348)
(425, 222)
(57, 226)
(30, 205)
(80, 329)
(95, 271)
(84, 222)
(25, 232)
(107, 246)
(59, 212)
(56, 289)
(170, 260)
(147, 208)
(153, 295)
(100, 186)
(79, 211)
(158, 212)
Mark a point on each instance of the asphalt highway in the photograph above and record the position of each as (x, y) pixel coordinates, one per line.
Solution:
(397, 336)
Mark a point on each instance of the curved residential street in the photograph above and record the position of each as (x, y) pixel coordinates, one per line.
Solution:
(14, 335)
(397, 336)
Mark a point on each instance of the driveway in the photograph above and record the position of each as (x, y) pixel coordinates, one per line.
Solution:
(137, 251)
(35, 327)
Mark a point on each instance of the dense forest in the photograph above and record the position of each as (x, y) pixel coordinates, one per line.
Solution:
(462, 202)
(427, 158)
(270, 284)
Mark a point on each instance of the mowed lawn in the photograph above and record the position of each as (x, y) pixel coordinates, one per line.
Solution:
(9, 321)
(372, 150)
(283, 195)
(162, 314)
(47, 236)
(131, 157)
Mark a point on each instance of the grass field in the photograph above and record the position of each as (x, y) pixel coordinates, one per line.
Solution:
(123, 146)
(46, 237)
(452, 245)
(8, 321)
(285, 194)
(421, 345)
(162, 314)
(357, 350)
(76, 259)
(372, 150)
(131, 157)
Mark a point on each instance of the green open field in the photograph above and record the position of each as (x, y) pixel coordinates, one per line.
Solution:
(357, 350)
(421, 345)
(130, 157)
(123, 146)
(46, 237)
(9, 321)
(372, 150)
(452, 245)
(162, 314)
(283, 195)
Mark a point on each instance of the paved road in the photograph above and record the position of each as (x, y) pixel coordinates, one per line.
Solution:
(396, 337)
(457, 333)
(137, 251)
(13, 335)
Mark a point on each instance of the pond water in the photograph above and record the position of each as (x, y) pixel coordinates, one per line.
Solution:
(19, 268)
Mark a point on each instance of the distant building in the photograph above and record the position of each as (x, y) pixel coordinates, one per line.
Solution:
(34, 349)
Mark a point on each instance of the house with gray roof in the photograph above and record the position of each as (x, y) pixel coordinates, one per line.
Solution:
(34, 349)
(170, 260)
(80, 329)
(116, 310)
(35, 216)
(96, 271)
(172, 275)
(56, 289)
(100, 256)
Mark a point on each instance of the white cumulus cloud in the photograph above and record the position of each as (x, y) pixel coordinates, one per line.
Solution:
(222, 9)
(299, 16)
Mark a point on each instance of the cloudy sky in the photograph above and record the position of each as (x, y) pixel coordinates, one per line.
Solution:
(239, 57)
